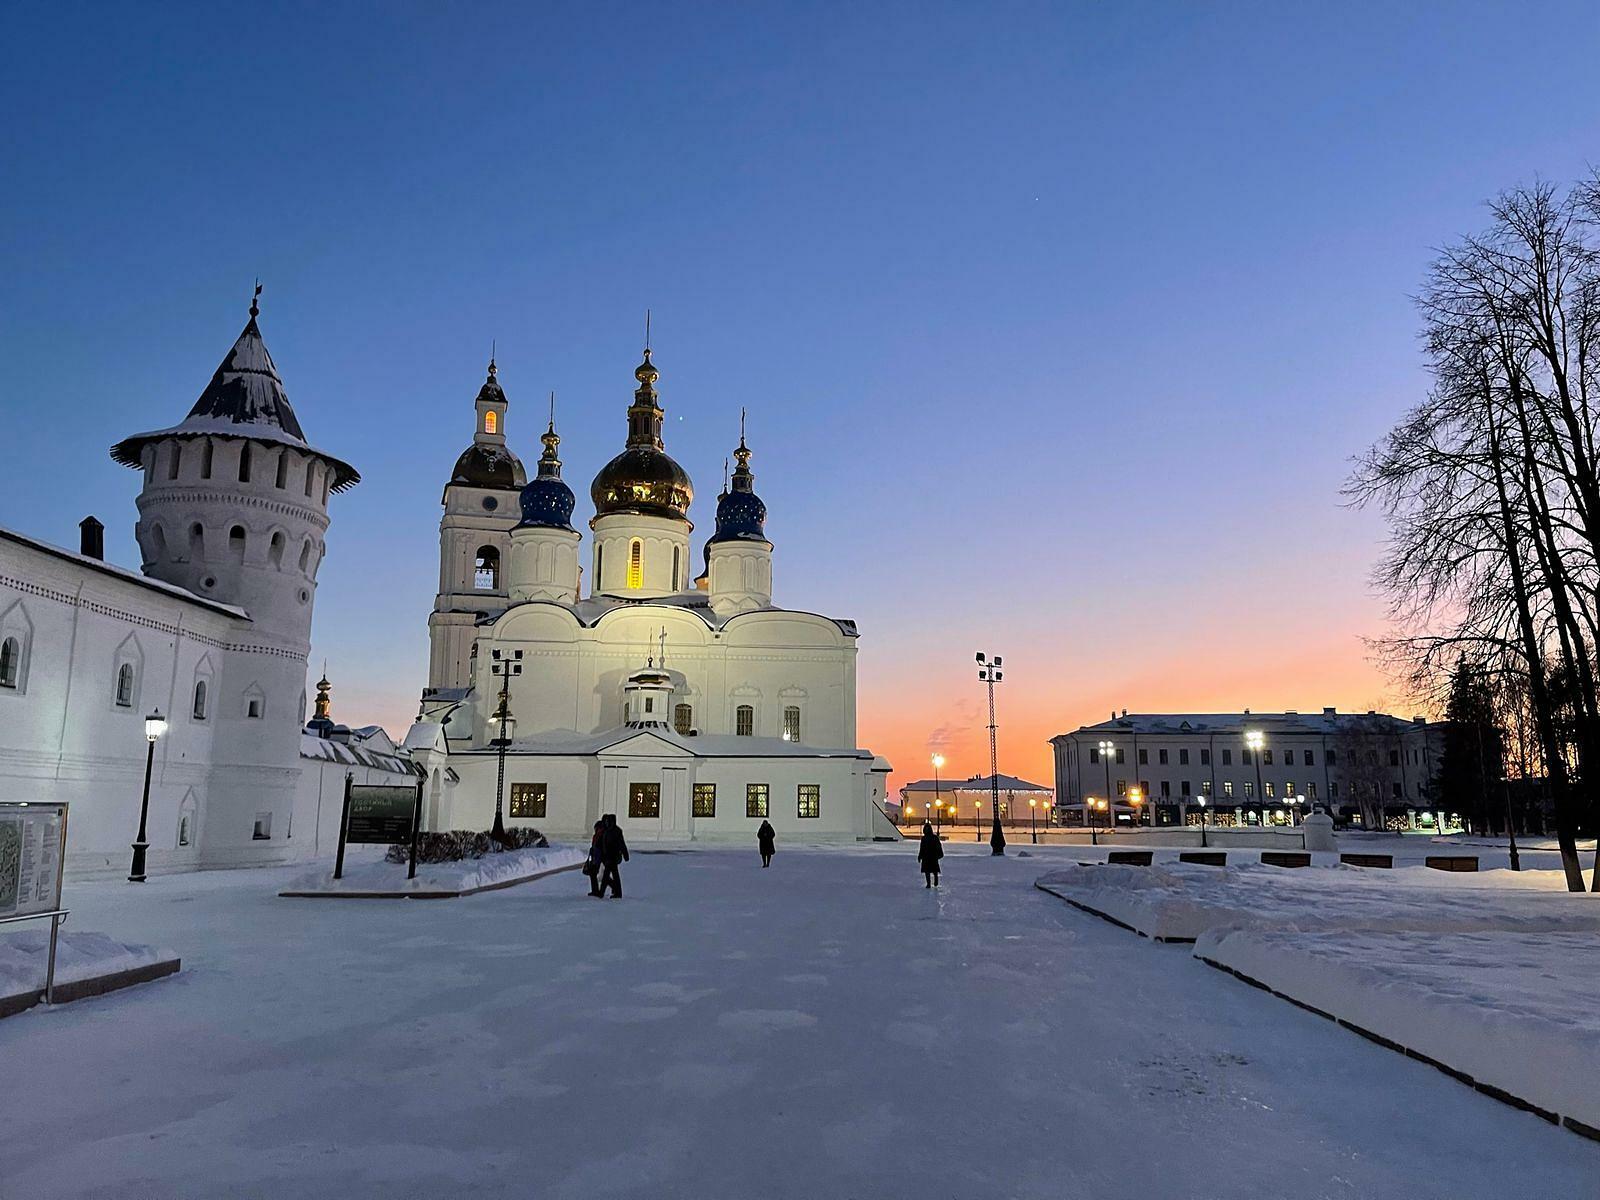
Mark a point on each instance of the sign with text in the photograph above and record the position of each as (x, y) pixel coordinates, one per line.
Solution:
(32, 843)
(381, 814)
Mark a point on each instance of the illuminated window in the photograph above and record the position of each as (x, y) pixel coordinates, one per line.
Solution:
(486, 569)
(491, 421)
(636, 564)
(791, 724)
(528, 799)
(705, 799)
(1122, 787)
(644, 800)
(683, 719)
(1205, 787)
(755, 799)
(809, 800)
(1227, 787)
(1249, 788)
(744, 720)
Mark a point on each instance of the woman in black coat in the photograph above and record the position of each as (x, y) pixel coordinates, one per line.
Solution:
(766, 839)
(928, 855)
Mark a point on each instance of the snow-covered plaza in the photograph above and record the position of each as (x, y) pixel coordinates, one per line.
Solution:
(826, 1028)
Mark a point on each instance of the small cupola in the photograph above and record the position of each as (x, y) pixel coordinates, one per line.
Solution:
(547, 502)
(489, 462)
(647, 695)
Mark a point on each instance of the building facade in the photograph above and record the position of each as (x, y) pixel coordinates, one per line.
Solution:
(690, 706)
(947, 801)
(1371, 769)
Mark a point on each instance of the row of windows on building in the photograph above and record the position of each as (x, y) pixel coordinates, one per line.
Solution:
(277, 545)
(486, 567)
(247, 455)
(125, 685)
(529, 800)
(744, 719)
(1269, 788)
(1307, 756)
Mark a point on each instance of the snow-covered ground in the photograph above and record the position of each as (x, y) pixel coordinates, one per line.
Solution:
(1181, 900)
(371, 872)
(826, 1028)
(80, 955)
(1513, 1010)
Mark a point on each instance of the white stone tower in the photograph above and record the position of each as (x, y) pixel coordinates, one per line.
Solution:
(641, 502)
(480, 509)
(544, 545)
(234, 507)
(738, 572)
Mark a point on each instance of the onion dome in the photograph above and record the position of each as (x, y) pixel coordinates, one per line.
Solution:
(245, 399)
(643, 478)
(489, 462)
(547, 501)
(741, 515)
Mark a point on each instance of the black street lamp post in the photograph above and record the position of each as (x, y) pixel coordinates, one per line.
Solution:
(1256, 740)
(154, 726)
(1106, 751)
(989, 673)
(1033, 817)
(505, 727)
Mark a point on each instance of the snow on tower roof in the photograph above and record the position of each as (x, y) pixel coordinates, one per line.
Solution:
(245, 399)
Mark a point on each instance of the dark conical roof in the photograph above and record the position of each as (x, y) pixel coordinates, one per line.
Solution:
(643, 478)
(245, 399)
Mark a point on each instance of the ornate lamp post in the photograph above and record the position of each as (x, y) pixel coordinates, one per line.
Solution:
(505, 728)
(154, 726)
(938, 800)
(1033, 817)
(1255, 740)
(1202, 822)
(989, 673)
(977, 820)
(1107, 749)
(1047, 816)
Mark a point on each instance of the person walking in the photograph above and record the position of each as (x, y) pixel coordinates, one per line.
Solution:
(591, 868)
(766, 839)
(929, 853)
(613, 853)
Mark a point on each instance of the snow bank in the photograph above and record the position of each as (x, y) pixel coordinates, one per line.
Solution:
(80, 957)
(1513, 1011)
(381, 878)
(1182, 901)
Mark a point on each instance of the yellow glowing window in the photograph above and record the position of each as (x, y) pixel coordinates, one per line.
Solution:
(491, 421)
(636, 564)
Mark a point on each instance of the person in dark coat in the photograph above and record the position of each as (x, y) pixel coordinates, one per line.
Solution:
(929, 853)
(592, 867)
(613, 853)
(766, 840)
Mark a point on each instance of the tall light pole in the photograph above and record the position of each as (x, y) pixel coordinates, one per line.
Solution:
(1202, 822)
(505, 727)
(938, 800)
(989, 673)
(1255, 739)
(154, 726)
(1107, 749)
(1033, 817)
(977, 820)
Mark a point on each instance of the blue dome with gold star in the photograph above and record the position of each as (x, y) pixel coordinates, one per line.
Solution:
(547, 501)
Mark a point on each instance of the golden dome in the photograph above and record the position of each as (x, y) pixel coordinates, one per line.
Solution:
(643, 478)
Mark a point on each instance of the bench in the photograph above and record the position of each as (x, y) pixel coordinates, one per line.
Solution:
(1206, 858)
(1130, 858)
(1286, 858)
(1452, 862)
(1367, 860)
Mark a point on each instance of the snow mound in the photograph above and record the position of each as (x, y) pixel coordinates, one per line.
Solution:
(379, 877)
(79, 956)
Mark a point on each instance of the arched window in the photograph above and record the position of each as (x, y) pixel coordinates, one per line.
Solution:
(683, 719)
(744, 720)
(599, 567)
(636, 564)
(677, 566)
(486, 570)
(236, 543)
(207, 452)
(197, 542)
(244, 463)
(311, 467)
(175, 459)
(10, 662)
(125, 686)
(305, 556)
(158, 544)
(199, 709)
(791, 723)
(185, 829)
(275, 548)
(491, 421)
(283, 469)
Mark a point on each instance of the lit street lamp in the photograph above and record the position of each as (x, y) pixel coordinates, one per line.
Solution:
(989, 673)
(1255, 740)
(1202, 822)
(1033, 818)
(1106, 751)
(938, 802)
(154, 726)
(977, 820)
(1136, 798)
(505, 729)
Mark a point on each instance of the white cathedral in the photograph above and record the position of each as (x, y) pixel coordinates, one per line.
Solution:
(689, 708)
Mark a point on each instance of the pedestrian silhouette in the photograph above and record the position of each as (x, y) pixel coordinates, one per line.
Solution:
(613, 853)
(766, 840)
(929, 852)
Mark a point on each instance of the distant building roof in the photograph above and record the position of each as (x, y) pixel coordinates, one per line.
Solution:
(978, 783)
(1328, 721)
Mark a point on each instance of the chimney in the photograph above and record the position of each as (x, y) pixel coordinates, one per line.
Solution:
(91, 538)
(1330, 712)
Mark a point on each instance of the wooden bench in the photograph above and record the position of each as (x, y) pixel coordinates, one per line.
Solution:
(1206, 858)
(1130, 858)
(1367, 860)
(1452, 862)
(1286, 858)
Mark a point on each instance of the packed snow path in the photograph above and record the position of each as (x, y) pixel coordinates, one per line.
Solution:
(826, 1028)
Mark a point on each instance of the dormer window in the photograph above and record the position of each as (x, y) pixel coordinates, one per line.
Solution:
(491, 421)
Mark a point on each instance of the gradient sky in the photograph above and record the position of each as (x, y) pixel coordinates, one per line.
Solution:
(1058, 325)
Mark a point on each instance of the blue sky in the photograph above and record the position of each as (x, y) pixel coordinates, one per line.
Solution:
(1057, 324)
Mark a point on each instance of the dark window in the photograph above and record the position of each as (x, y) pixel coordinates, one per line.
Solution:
(1122, 787)
(1183, 787)
(1166, 788)
(755, 799)
(744, 721)
(125, 685)
(1333, 790)
(1119, 755)
(1163, 756)
(1266, 757)
(1244, 756)
(1331, 758)
(1397, 792)
(199, 709)
(528, 800)
(644, 800)
(1205, 758)
(1144, 758)
(705, 799)
(283, 469)
(1310, 762)
(253, 709)
(175, 461)
(809, 800)
(683, 719)
(244, 463)
(207, 452)
(1394, 758)
(1227, 757)
(1094, 754)
(236, 543)
(1183, 758)
(10, 662)
(261, 831)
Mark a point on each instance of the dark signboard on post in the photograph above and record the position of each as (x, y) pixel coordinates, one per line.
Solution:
(380, 814)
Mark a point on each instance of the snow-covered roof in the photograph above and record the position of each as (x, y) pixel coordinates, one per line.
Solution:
(1328, 721)
(978, 783)
(244, 399)
(590, 610)
(171, 590)
(703, 745)
(355, 753)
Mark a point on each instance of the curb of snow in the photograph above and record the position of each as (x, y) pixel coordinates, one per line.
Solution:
(434, 881)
